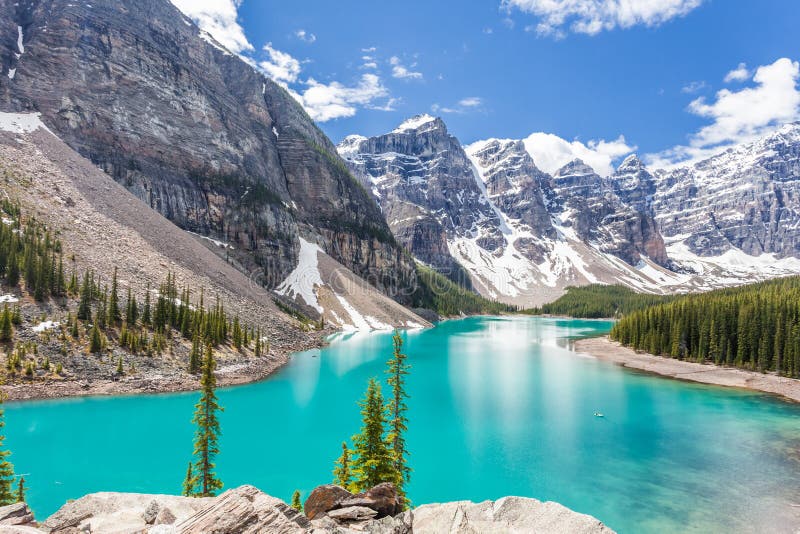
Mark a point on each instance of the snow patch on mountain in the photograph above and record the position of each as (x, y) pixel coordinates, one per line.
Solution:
(304, 280)
(414, 123)
(21, 123)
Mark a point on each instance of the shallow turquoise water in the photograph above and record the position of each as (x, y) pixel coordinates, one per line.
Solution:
(499, 406)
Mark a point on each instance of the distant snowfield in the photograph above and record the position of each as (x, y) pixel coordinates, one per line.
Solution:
(338, 295)
(21, 123)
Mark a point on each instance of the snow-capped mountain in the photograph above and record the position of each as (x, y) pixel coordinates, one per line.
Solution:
(523, 235)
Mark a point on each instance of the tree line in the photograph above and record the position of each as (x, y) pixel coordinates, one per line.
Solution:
(754, 327)
(597, 301)
(32, 260)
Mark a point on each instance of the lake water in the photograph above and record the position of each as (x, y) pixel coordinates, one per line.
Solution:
(499, 406)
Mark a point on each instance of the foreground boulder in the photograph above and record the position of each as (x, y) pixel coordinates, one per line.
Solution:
(121, 512)
(383, 499)
(247, 510)
(324, 499)
(17, 514)
(508, 515)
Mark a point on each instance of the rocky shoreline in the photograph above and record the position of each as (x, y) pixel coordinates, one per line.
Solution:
(607, 350)
(329, 509)
(153, 381)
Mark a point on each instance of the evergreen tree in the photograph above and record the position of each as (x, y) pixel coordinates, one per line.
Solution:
(85, 304)
(6, 469)
(6, 327)
(113, 302)
(206, 442)
(195, 355)
(397, 409)
(21, 490)
(341, 470)
(373, 461)
(146, 318)
(120, 368)
(296, 504)
(189, 483)
(95, 339)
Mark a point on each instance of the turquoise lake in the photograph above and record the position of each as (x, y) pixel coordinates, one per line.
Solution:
(499, 406)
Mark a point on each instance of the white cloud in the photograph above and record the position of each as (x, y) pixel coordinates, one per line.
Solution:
(324, 102)
(218, 18)
(470, 102)
(693, 87)
(305, 36)
(280, 66)
(402, 72)
(550, 152)
(593, 16)
(739, 74)
(740, 116)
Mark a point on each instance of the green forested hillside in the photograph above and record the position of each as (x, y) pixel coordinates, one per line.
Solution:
(598, 300)
(436, 292)
(754, 327)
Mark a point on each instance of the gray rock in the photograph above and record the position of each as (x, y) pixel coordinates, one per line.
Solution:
(323, 499)
(196, 133)
(352, 513)
(151, 512)
(16, 514)
(245, 510)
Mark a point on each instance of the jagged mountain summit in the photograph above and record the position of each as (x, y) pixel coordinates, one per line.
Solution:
(203, 138)
(195, 132)
(727, 220)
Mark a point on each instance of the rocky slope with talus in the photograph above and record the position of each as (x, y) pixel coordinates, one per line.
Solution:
(194, 132)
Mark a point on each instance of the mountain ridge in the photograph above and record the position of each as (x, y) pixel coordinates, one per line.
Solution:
(575, 227)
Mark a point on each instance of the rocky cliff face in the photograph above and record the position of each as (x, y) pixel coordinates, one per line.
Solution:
(601, 217)
(728, 220)
(745, 199)
(428, 190)
(193, 131)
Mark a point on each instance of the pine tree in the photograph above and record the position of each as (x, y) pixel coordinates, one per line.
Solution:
(257, 351)
(373, 461)
(113, 302)
(206, 442)
(189, 483)
(120, 368)
(146, 318)
(21, 490)
(6, 469)
(12, 268)
(341, 470)
(397, 409)
(296, 504)
(6, 326)
(195, 355)
(95, 340)
(85, 304)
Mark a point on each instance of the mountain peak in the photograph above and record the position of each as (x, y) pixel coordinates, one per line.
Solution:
(419, 122)
(574, 167)
(631, 163)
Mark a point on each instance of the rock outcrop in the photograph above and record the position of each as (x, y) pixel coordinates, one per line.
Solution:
(246, 510)
(193, 131)
(17, 515)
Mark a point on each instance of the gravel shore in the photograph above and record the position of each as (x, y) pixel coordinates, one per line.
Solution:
(604, 349)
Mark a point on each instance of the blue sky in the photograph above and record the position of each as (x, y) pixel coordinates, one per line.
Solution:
(583, 70)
